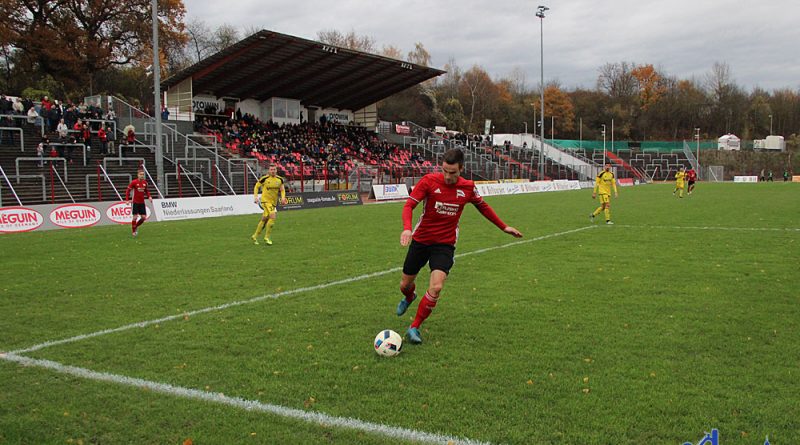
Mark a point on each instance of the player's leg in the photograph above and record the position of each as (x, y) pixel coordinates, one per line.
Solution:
(134, 221)
(270, 224)
(416, 258)
(598, 209)
(680, 191)
(261, 223)
(408, 289)
(441, 260)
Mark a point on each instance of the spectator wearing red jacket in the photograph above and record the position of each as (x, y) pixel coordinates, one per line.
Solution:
(103, 137)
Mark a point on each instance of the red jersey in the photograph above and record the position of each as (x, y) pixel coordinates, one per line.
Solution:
(691, 175)
(443, 204)
(140, 191)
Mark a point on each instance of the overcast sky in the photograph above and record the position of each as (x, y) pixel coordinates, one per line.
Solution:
(760, 41)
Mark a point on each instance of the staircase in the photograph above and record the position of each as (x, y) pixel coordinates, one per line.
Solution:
(621, 162)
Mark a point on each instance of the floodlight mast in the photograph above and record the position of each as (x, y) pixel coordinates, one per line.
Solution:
(540, 13)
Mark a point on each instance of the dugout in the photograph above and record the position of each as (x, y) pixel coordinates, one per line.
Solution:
(287, 79)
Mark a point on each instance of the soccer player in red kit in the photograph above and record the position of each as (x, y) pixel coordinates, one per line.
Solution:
(433, 240)
(691, 176)
(139, 210)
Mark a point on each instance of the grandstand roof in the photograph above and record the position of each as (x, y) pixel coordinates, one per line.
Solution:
(269, 64)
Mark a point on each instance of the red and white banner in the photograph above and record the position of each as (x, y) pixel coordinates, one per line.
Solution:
(75, 216)
(120, 213)
(19, 219)
(402, 129)
(626, 182)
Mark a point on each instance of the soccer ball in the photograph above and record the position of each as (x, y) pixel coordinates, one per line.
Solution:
(388, 343)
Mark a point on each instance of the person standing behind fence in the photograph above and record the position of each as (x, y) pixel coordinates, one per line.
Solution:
(130, 136)
(103, 137)
(86, 133)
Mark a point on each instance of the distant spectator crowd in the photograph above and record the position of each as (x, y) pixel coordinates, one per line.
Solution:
(292, 144)
(66, 124)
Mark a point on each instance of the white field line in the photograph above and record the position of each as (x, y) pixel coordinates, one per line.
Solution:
(142, 324)
(741, 229)
(248, 405)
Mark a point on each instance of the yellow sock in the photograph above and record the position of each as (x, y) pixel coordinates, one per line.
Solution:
(608, 214)
(259, 228)
(270, 225)
(597, 211)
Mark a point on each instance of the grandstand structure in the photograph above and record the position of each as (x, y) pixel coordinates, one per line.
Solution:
(266, 78)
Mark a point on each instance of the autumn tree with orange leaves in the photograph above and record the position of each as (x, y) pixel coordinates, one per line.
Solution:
(73, 40)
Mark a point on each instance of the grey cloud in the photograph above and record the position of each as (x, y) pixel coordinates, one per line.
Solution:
(682, 37)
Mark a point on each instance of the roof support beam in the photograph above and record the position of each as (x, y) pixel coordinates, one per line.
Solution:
(311, 72)
(364, 86)
(360, 72)
(251, 85)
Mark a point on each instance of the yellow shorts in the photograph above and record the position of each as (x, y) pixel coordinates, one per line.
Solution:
(268, 208)
(603, 198)
(679, 185)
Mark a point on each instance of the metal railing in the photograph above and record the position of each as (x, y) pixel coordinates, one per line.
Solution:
(61, 180)
(107, 177)
(51, 160)
(21, 136)
(11, 187)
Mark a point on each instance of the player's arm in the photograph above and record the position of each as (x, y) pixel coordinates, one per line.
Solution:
(256, 188)
(128, 192)
(596, 185)
(147, 193)
(283, 193)
(488, 212)
(416, 196)
(614, 184)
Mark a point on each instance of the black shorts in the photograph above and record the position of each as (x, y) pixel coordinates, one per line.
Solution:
(139, 209)
(691, 183)
(439, 256)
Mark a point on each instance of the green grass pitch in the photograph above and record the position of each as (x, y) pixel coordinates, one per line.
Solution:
(676, 320)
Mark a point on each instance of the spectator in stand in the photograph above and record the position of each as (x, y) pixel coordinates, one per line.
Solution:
(86, 133)
(52, 118)
(63, 131)
(70, 116)
(18, 107)
(164, 114)
(41, 149)
(130, 136)
(103, 137)
(44, 110)
(33, 116)
(110, 115)
(63, 136)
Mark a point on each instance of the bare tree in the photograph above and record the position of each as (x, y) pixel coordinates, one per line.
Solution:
(224, 36)
(617, 80)
(199, 44)
(419, 55)
(350, 40)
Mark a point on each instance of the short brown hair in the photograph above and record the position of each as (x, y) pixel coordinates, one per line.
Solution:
(454, 156)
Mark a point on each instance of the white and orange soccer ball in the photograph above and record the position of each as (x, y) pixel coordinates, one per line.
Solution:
(388, 343)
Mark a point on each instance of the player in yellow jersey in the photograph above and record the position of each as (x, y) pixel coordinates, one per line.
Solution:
(603, 184)
(269, 185)
(679, 182)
